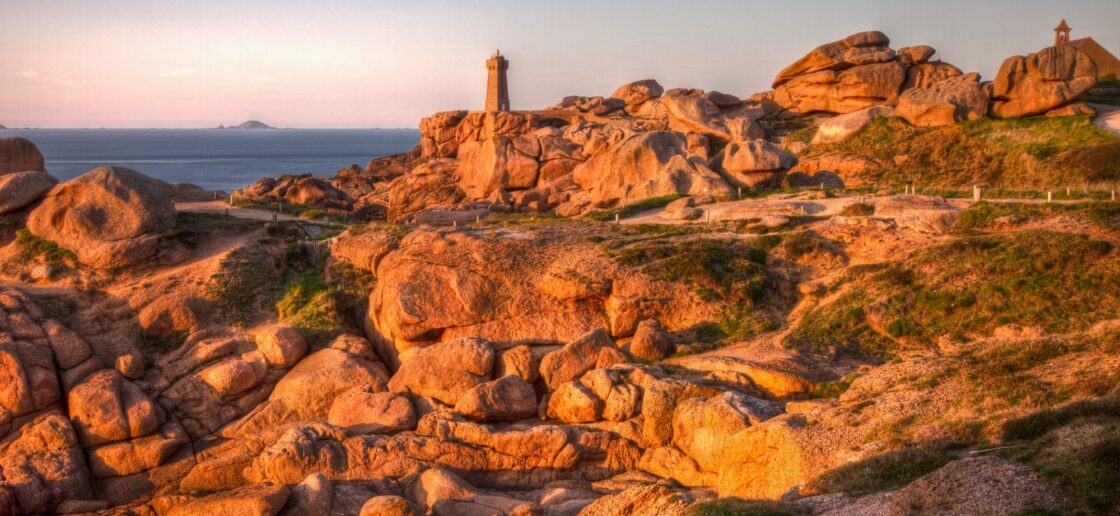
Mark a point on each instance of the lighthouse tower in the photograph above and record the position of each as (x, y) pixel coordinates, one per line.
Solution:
(497, 92)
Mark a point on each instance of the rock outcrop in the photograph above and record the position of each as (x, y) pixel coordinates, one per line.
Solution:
(20, 155)
(947, 102)
(856, 73)
(109, 217)
(19, 190)
(511, 288)
(843, 127)
(1036, 83)
(304, 190)
(647, 165)
(753, 163)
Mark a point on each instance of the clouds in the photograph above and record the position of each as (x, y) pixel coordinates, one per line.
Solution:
(177, 73)
(64, 80)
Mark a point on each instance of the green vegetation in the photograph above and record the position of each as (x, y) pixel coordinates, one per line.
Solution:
(1042, 422)
(1105, 92)
(197, 221)
(740, 507)
(633, 209)
(729, 269)
(984, 214)
(312, 213)
(157, 344)
(525, 220)
(890, 470)
(858, 209)
(753, 226)
(1060, 282)
(833, 389)
(1077, 446)
(309, 305)
(32, 247)
(244, 284)
(1024, 152)
(841, 327)
(351, 288)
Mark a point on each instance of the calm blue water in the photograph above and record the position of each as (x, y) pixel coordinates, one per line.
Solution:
(212, 158)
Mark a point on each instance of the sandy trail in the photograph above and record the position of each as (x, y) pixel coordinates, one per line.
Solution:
(234, 211)
(1108, 118)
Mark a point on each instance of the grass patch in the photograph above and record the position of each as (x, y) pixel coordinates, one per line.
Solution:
(633, 209)
(967, 288)
(310, 306)
(157, 344)
(1077, 447)
(1020, 152)
(1040, 423)
(527, 220)
(752, 226)
(719, 269)
(312, 213)
(884, 472)
(244, 284)
(730, 271)
(983, 214)
(833, 389)
(841, 328)
(1105, 92)
(858, 209)
(1061, 282)
(32, 247)
(800, 244)
(740, 507)
(197, 221)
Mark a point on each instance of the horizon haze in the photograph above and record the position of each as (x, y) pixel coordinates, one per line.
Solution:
(351, 64)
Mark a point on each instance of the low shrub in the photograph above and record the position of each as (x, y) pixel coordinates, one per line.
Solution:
(633, 208)
(32, 247)
(244, 284)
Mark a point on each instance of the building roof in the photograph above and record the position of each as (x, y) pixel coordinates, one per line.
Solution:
(1062, 26)
(1079, 41)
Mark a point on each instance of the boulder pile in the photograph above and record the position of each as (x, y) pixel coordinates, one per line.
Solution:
(23, 176)
(855, 73)
(109, 217)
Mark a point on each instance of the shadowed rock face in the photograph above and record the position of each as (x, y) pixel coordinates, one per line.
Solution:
(109, 217)
(20, 155)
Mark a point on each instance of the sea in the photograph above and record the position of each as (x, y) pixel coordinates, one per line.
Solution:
(215, 159)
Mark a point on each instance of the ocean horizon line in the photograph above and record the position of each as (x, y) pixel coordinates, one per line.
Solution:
(209, 129)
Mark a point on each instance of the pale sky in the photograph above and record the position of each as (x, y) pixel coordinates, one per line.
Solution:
(371, 63)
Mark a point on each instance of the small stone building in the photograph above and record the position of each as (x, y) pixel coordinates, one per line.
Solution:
(1108, 66)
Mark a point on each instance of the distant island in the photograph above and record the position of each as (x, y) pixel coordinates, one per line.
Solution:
(2, 126)
(251, 124)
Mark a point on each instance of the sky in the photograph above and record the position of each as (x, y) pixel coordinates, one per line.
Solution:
(373, 63)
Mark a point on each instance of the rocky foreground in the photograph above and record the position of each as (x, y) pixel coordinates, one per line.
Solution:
(491, 342)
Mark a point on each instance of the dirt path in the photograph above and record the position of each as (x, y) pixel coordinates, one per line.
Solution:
(234, 211)
(770, 207)
(1108, 118)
